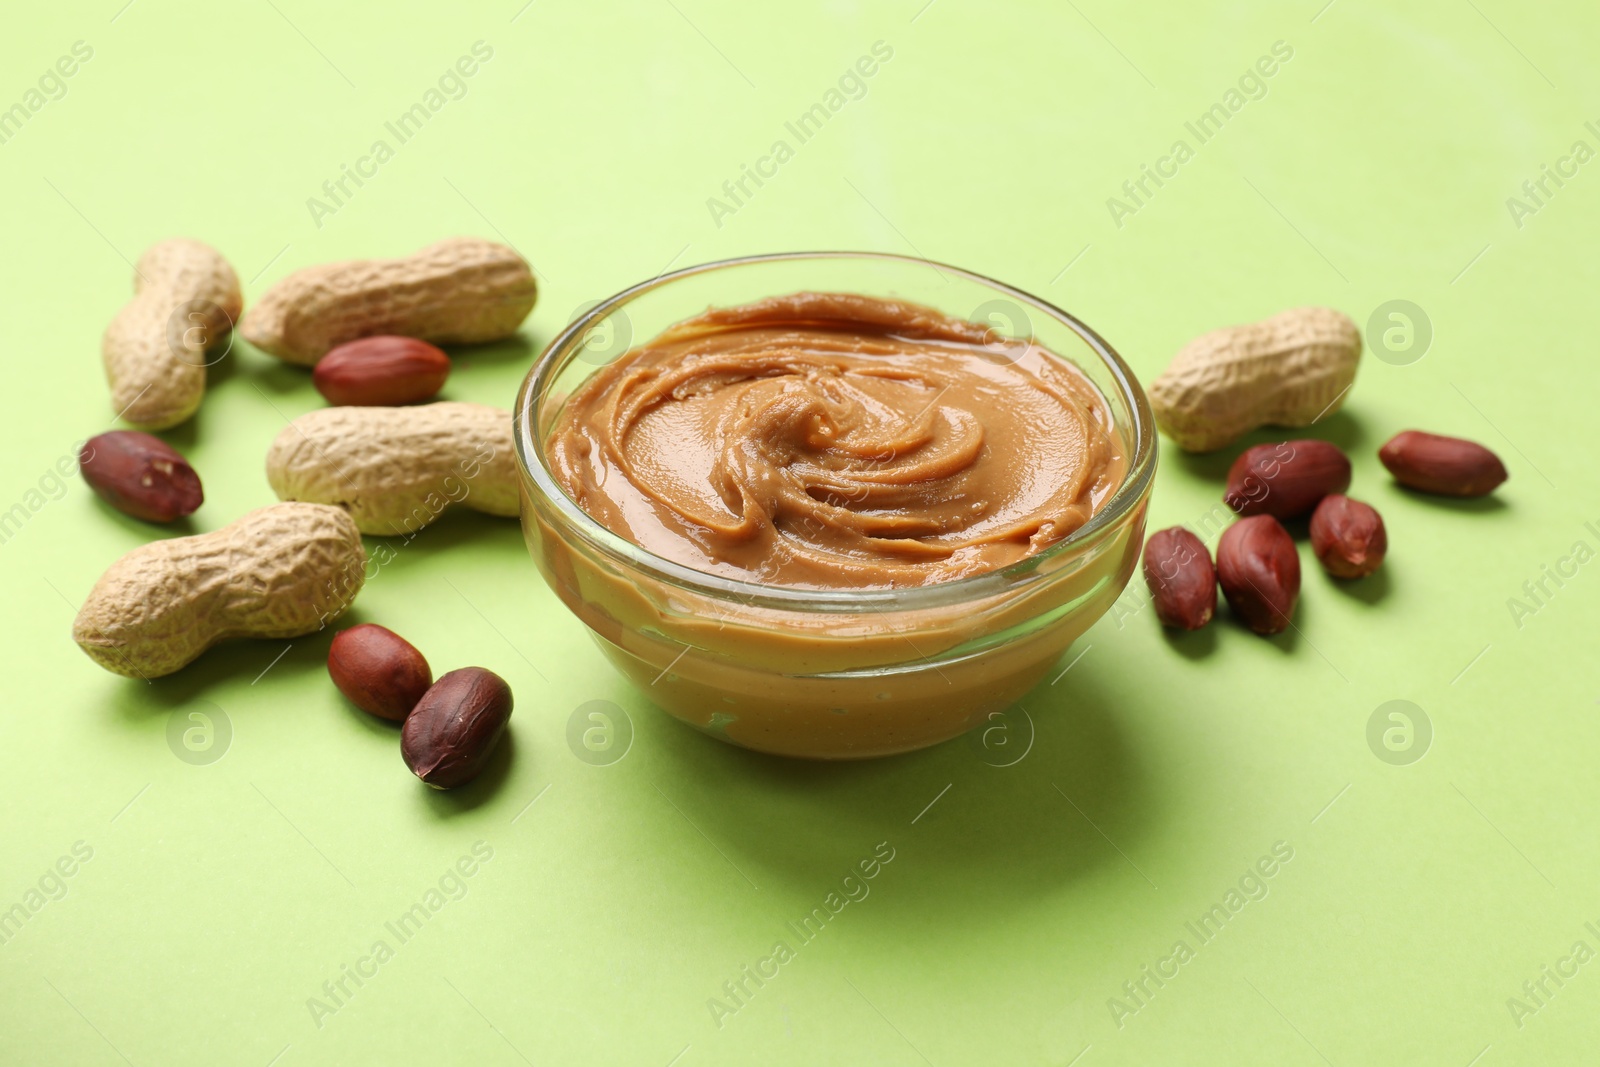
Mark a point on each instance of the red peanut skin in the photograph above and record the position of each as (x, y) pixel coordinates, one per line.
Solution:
(1182, 581)
(1444, 466)
(1286, 480)
(141, 475)
(1258, 568)
(452, 732)
(1348, 537)
(381, 371)
(379, 671)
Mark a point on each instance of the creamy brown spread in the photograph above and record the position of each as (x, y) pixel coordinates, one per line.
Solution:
(828, 440)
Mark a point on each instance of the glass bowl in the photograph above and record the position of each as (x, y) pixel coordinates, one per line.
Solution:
(834, 673)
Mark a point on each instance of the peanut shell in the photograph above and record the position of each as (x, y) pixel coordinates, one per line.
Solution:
(1290, 370)
(463, 290)
(186, 300)
(279, 571)
(395, 470)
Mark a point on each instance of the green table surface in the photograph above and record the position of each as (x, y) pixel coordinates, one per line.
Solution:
(1432, 880)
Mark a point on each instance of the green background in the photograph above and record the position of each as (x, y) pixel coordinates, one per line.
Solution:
(1376, 167)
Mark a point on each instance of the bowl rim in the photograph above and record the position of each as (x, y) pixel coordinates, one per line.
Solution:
(532, 465)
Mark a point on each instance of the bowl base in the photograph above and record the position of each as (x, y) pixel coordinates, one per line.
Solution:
(833, 718)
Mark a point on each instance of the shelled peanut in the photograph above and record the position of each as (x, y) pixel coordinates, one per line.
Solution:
(379, 671)
(140, 475)
(381, 372)
(1445, 466)
(450, 735)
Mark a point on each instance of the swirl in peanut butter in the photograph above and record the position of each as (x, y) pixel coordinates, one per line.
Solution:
(827, 440)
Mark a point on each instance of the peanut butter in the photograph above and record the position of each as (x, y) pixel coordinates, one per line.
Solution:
(827, 440)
